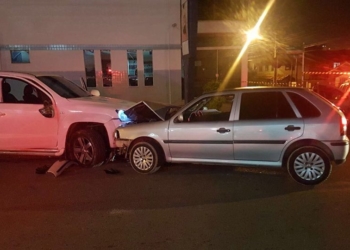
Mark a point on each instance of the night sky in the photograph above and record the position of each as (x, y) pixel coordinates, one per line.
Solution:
(312, 21)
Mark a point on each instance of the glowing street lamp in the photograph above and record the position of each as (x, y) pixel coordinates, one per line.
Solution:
(253, 34)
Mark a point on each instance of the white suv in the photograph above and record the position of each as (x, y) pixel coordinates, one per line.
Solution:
(51, 116)
(260, 126)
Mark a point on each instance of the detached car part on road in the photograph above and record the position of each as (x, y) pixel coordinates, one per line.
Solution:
(253, 126)
(51, 116)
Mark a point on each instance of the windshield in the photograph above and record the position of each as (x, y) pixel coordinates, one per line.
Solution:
(63, 87)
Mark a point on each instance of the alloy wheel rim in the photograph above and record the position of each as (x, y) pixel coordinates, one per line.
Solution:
(83, 150)
(309, 166)
(143, 158)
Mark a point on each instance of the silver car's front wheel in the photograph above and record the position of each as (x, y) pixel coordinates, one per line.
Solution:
(144, 158)
(309, 165)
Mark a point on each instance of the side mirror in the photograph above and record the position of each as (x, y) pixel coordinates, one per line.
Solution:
(95, 92)
(47, 111)
(180, 118)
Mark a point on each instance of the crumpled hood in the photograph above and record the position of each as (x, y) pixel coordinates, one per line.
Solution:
(146, 111)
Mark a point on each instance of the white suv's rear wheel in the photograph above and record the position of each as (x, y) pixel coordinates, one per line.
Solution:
(309, 165)
(87, 148)
(144, 158)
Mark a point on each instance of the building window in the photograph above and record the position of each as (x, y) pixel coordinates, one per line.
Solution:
(106, 68)
(89, 61)
(20, 56)
(148, 67)
(132, 67)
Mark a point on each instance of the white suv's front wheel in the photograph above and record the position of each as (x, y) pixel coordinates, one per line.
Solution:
(309, 165)
(87, 148)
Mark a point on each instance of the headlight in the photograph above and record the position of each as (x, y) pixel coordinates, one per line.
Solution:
(122, 116)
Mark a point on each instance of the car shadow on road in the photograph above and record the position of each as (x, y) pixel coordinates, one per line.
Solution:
(174, 185)
(197, 184)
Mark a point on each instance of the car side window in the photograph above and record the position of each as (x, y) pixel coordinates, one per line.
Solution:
(306, 108)
(265, 105)
(18, 91)
(7, 92)
(31, 95)
(210, 109)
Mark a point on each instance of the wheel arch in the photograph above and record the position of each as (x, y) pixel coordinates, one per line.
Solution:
(99, 127)
(304, 143)
(150, 140)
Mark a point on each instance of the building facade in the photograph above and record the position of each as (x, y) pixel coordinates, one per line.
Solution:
(128, 49)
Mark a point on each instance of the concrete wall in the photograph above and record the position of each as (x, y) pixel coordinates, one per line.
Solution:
(56, 32)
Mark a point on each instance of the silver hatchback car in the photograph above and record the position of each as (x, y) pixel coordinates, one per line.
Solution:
(286, 127)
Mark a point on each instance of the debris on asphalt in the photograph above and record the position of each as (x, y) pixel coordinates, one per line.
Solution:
(112, 171)
(59, 166)
(42, 170)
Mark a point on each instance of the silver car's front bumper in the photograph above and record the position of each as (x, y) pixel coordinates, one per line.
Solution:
(122, 146)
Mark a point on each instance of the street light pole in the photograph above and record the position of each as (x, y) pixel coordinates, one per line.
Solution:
(275, 62)
(303, 83)
(244, 70)
(303, 66)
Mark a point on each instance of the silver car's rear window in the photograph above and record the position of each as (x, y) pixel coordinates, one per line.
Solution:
(306, 108)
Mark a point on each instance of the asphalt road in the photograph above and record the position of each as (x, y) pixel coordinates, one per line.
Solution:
(180, 207)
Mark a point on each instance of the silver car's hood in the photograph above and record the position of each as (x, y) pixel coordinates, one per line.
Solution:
(145, 111)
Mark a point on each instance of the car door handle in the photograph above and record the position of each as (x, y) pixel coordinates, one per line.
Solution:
(223, 130)
(2, 114)
(292, 128)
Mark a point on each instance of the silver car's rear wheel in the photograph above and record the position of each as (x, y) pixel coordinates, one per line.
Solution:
(309, 165)
(144, 158)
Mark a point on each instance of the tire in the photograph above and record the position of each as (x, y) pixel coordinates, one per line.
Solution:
(144, 158)
(87, 148)
(309, 165)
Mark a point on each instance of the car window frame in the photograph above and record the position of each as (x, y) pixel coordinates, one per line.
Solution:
(196, 105)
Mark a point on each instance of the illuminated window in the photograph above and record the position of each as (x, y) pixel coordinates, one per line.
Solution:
(148, 67)
(20, 56)
(89, 61)
(132, 67)
(106, 68)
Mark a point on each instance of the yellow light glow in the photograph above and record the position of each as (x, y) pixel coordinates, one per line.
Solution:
(245, 46)
(253, 34)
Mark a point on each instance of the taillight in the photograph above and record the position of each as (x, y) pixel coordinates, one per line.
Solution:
(343, 125)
